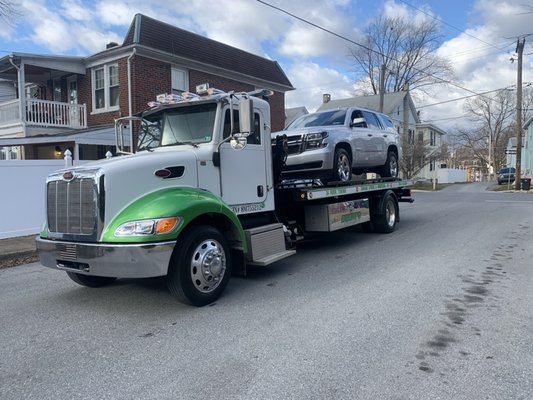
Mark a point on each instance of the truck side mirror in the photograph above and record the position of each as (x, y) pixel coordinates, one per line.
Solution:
(358, 123)
(246, 116)
(238, 141)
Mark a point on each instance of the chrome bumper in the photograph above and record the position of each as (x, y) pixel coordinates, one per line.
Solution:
(114, 260)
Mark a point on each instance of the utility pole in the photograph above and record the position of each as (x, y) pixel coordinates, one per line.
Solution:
(381, 87)
(519, 50)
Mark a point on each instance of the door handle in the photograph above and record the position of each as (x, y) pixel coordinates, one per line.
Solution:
(369, 134)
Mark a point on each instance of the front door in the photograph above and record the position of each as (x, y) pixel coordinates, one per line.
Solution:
(74, 113)
(245, 173)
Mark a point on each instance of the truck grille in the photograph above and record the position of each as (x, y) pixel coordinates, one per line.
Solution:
(72, 206)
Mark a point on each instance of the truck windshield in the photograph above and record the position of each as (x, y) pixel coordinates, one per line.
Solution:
(192, 125)
(335, 117)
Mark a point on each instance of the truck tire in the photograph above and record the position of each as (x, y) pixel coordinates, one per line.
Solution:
(384, 219)
(200, 266)
(90, 281)
(342, 166)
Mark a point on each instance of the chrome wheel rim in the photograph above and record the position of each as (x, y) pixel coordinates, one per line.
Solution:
(390, 214)
(344, 169)
(393, 167)
(208, 266)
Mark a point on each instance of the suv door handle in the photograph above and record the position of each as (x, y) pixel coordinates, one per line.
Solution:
(369, 135)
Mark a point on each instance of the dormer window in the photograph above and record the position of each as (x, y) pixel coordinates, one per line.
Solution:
(105, 88)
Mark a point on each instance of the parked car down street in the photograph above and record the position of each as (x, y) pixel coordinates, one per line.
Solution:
(506, 175)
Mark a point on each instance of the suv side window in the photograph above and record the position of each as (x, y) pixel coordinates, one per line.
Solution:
(371, 120)
(387, 122)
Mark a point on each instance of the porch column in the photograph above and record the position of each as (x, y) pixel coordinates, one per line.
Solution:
(22, 94)
(76, 151)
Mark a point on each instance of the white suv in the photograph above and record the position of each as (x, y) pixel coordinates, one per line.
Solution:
(332, 144)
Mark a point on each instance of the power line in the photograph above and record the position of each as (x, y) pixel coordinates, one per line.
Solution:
(361, 45)
(445, 23)
(464, 97)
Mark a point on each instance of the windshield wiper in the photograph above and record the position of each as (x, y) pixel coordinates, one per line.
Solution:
(193, 144)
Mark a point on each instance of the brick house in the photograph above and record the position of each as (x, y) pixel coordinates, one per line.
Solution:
(72, 102)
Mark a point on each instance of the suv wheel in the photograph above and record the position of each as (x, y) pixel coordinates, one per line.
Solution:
(390, 169)
(342, 166)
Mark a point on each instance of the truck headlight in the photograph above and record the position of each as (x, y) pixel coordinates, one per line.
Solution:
(148, 227)
(315, 141)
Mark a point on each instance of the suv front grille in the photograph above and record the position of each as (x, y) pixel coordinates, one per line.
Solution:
(294, 144)
(72, 206)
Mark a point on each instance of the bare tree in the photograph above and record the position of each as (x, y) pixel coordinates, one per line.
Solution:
(494, 116)
(406, 49)
(8, 11)
(417, 153)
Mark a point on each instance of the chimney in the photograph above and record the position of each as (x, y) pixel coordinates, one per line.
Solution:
(326, 97)
(110, 45)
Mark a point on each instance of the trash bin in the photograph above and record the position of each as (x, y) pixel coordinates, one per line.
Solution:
(526, 183)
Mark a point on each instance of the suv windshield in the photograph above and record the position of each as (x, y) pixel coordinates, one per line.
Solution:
(507, 171)
(175, 126)
(335, 117)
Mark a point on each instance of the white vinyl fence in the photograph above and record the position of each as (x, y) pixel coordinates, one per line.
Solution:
(451, 175)
(22, 198)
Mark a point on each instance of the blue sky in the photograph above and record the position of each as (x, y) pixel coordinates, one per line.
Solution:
(479, 37)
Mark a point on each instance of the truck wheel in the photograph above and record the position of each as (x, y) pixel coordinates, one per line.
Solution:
(90, 281)
(342, 166)
(390, 169)
(385, 220)
(200, 266)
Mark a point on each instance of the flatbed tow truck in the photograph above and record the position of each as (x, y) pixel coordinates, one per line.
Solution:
(202, 198)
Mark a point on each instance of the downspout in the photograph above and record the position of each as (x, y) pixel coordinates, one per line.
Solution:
(22, 92)
(130, 101)
(22, 99)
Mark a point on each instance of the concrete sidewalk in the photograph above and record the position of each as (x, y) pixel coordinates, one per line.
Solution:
(17, 251)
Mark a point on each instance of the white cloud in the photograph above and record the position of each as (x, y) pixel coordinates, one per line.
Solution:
(312, 81)
(76, 10)
(508, 18)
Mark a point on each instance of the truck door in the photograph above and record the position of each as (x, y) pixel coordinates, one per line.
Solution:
(245, 173)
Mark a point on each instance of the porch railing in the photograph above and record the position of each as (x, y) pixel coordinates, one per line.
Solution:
(55, 113)
(44, 113)
(9, 113)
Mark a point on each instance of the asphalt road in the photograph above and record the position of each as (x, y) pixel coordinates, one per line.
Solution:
(439, 309)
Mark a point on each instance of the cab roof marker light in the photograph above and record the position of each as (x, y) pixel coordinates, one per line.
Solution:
(213, 91)
(189, 96)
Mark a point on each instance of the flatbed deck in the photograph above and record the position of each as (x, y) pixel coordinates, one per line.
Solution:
(310, 191)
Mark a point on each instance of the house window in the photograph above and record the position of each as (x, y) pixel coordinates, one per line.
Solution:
(420, 136)
(57, 90)
(113, 85)
(106, 88)
(432, 138)
(180, 80)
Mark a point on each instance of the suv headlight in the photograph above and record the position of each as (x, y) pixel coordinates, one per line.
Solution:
(148, 227)
(315, 141)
